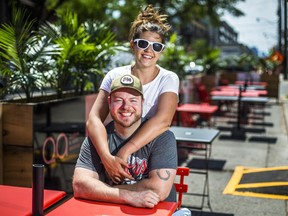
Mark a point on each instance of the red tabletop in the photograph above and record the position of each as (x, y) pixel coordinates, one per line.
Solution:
(197, 108)
(249, 87)
(18, 200)
(227, 88)
(235, 93)
(86, 208)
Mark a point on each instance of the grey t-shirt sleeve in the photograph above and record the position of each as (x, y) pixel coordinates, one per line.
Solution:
(164, 152)
(88, 157)
(164, 155)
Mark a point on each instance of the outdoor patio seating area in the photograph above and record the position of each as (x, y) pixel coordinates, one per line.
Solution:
(252, 134)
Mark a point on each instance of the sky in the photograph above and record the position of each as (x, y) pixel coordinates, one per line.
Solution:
(259, 26)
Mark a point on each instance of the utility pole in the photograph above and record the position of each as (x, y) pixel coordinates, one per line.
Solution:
(285, 42)
(280, 33)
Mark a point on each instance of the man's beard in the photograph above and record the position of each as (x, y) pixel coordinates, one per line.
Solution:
(127, 122)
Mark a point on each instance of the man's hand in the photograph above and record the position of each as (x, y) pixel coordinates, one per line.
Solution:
(143, 199)
(115, 168)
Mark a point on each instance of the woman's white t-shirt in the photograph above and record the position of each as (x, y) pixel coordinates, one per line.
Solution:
(165, 81)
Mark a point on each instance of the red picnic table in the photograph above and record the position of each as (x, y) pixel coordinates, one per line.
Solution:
(235, 93)
(18, 200)
(234, 89)
(204, 109)
(91, 208)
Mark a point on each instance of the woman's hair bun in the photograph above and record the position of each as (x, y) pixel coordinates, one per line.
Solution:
(150, 19)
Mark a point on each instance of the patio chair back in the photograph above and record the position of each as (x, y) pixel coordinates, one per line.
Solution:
(181, 187)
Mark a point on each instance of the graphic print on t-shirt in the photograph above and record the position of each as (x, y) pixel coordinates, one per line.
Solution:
(137, 168)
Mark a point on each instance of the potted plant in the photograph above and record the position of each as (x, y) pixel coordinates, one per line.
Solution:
(85, 51)
(23, 56)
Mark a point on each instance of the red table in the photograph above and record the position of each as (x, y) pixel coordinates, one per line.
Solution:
(254, 87)
(18, 200)
(235, 93)
(231, 89)
(204, 110)
(87, 207)
(197, 108)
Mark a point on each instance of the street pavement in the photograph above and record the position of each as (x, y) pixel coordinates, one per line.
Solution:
(245, 153)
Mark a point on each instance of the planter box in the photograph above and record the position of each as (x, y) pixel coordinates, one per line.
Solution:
(228, 77)
(210, 82)
(272, 84)
(48, 133)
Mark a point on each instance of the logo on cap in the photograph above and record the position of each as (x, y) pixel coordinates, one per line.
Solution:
(127, 80)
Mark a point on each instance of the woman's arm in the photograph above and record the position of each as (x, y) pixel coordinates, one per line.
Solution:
(98, 135)
(156, 125)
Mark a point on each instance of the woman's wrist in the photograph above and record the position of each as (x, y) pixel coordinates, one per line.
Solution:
(128, 149)
(105, 157)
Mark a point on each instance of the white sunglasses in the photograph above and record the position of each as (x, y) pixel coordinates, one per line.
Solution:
(144, 44)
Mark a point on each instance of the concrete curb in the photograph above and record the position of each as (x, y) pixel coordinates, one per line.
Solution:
(283, 99)
(285, 111)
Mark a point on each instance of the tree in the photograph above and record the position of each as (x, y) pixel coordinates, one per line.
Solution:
(120, 13)
(181, 13)
(208, 57)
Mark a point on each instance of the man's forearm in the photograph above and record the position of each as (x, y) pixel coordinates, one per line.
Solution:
(99, 191)
(138, 186)
(162, 190)
(92, 189)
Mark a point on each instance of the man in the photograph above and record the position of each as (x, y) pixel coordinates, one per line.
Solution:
(153, 167)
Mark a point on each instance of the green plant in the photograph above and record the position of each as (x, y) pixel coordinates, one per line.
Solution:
(23, 56)
(66, 55)
(85, 50)
(206, 56)
(174, 57)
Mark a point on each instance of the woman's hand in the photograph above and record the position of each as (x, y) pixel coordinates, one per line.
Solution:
(115, 168)
(123, 154)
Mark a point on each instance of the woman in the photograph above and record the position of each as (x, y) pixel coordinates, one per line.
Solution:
(147, 38)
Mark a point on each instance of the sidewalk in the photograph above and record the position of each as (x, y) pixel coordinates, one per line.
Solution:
(246, 153)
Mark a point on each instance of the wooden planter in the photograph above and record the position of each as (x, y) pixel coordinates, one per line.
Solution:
(272, 84)
(210, 82)
(49, 133)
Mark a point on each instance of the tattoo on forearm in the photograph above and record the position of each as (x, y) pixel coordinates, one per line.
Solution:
(164, 178)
